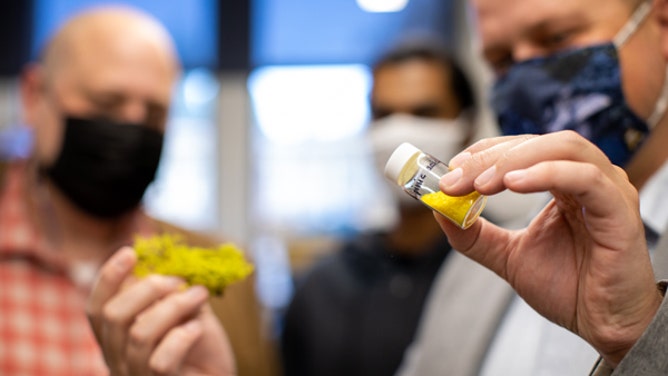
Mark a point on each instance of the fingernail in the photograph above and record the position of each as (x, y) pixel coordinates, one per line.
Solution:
(485, 177)
(516, 176)
(192, 326)
(173, 281)
(197, 293)
(124, 258)
(459, 159)
(452, 177)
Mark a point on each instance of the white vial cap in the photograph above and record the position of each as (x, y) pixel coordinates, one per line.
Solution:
(401, 155)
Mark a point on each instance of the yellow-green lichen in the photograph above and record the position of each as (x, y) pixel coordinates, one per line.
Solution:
(168, 254)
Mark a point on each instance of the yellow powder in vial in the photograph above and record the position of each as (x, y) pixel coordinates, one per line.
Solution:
(454, 208)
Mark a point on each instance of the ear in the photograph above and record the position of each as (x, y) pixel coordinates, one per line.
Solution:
(661, 8)
(31, 88)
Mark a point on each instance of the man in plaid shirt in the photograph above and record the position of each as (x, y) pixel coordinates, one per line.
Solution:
(97, 102)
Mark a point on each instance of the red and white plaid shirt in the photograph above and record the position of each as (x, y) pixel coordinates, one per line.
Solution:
(43, 326)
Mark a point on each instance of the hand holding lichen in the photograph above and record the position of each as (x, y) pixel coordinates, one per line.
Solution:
(170, 255)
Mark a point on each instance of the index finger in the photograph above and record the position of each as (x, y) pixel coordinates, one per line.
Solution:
(487, 143)
(109, 281)
(484, 170)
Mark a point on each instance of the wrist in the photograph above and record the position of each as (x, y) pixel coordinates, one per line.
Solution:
(618, 342)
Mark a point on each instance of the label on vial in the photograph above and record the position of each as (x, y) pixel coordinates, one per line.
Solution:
(419, 180)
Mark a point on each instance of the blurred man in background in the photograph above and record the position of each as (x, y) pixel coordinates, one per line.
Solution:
(97, 102)
(357, 310)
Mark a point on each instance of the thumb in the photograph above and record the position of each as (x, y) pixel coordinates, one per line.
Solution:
(483, 242)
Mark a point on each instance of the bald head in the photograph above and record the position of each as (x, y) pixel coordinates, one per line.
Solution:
(105, 31)
(107, 62)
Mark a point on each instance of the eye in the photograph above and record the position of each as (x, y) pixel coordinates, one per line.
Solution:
(106, 102)
(500, 63)
(156, 116)
(379, 113)
(556, 40)
(427, 111)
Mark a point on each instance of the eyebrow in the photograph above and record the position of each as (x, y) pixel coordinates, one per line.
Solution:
(566, 22)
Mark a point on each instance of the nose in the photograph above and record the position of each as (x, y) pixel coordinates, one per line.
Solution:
(134, 111)
(526, 50)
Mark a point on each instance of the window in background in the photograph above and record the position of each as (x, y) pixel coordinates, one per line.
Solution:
(186, 187)
(313, 175)
(382, 6)
(185, 190)
(336, 31)
(312, 168)
(10, 105)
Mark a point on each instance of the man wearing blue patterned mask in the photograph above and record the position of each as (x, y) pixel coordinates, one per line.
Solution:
(594, 67)
(589, 67)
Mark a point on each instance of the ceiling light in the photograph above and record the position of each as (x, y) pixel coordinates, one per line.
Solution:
(382, 6)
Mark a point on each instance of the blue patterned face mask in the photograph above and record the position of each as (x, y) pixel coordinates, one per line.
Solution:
(580, 90)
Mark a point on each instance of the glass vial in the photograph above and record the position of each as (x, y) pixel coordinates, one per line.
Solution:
(419, 173)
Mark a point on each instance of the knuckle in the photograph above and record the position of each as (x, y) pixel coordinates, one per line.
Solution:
(574, 140)
(159, 366)
(181, 302)
(107, 276)
(91, 310)
(138, 337)
(111, 315)
(154, 281)
(480, 144)
(524, 137)
(622, 173)
(157, 283)
(596, 176)
(570, 135)
(480, 161)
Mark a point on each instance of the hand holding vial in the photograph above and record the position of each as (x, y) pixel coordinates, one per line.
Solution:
(582, 262)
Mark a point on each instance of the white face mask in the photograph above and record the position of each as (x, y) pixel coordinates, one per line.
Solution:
(442, 138)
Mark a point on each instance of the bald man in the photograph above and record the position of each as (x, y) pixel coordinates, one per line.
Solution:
(97, 102)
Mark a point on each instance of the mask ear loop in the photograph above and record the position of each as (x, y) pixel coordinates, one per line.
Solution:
(661, 104)
(638, 16)
(630, 27)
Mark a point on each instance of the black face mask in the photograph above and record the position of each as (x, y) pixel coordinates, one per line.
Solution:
(104, 167)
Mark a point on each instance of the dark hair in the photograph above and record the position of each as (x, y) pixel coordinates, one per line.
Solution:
(431, 51)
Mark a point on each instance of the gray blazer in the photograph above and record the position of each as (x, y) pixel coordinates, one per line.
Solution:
(475, 300)
(649, 356)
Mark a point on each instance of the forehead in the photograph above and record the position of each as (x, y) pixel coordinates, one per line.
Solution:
(411, 81)
(506, 21)
(129, 69)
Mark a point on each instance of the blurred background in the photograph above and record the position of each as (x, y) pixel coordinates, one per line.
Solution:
(265, 139)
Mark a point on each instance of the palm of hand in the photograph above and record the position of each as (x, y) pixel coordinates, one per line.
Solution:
(211, 354)
(584, 263)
